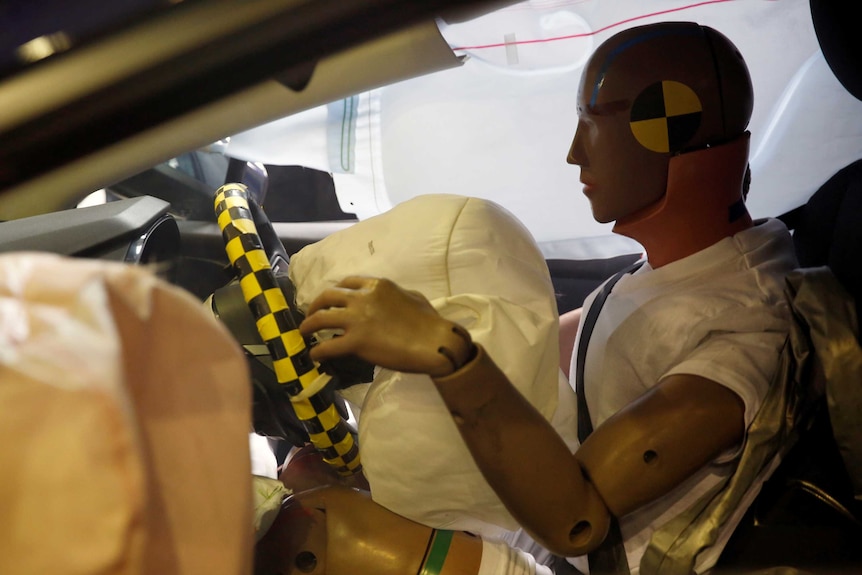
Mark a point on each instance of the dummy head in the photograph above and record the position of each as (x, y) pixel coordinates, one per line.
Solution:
(647, 95)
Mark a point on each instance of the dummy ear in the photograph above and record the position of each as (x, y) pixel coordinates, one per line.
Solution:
(665, 116)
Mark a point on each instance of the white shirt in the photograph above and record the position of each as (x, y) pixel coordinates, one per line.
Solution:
(719, 314)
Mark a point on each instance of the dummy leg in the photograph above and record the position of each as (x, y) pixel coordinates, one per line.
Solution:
(336, 530)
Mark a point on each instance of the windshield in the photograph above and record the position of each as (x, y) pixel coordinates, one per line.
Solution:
(499, 126)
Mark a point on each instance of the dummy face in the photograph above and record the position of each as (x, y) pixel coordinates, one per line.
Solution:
(620, 176)
(647, 94)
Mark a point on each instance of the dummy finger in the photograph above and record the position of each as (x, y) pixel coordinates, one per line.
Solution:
(332, 348)
(357, 282)
(334, 297)
(325, 318)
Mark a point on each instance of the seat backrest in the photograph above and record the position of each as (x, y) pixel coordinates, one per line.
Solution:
(828, 229)
(828, 232)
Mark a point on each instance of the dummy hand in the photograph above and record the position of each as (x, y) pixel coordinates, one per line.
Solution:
(388, 326)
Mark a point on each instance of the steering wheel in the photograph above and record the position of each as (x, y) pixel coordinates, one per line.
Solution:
(255, 252)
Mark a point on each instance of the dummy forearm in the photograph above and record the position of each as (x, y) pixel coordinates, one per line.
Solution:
(523, 459)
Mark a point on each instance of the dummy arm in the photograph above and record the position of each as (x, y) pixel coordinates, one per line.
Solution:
(524, 460)
(656, 442)
(564, 501)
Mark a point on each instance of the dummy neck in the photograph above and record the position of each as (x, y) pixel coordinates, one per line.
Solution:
(703, 204)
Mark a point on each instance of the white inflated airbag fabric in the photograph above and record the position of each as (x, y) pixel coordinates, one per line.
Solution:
(126, 409)
(480, 267)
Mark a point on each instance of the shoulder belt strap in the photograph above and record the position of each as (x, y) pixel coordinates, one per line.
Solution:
(610, 557)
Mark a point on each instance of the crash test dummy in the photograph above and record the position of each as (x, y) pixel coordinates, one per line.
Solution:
(682, 352)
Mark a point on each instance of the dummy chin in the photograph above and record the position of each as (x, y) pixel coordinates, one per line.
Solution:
(479, 267)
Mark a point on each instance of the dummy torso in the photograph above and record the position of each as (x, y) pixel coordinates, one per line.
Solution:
(719, 314)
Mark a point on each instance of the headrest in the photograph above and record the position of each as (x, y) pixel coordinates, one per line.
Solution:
(840, 41)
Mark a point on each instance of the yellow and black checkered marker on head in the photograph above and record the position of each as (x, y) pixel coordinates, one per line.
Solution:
(665, 116)
(294, 369)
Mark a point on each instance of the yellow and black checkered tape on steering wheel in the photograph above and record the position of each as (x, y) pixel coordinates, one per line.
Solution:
(293, 366)
(665, 116)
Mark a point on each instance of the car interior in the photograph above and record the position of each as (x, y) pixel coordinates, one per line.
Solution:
(122, 164)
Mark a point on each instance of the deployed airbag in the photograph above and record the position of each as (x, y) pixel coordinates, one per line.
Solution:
(479, 267)
(126, 410)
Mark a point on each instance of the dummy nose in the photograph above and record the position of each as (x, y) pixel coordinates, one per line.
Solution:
(576, 155)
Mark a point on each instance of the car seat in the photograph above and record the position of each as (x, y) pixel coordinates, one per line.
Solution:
(827, 228)
(809, 513)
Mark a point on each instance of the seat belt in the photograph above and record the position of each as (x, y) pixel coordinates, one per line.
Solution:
(609, 558)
